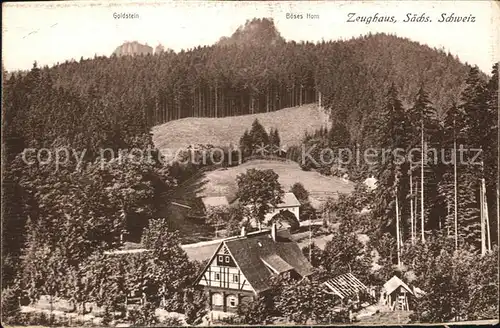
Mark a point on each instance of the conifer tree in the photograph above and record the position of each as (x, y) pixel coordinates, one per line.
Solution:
(390, 173)
(259, 136)
(448, 186)
(492, 160)
(276, 138)
(246, 146)
(424, 115)
(475, 130)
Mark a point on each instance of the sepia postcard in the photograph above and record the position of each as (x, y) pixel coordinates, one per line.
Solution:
(226, 163)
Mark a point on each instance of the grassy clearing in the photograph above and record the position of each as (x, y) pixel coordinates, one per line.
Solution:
(386, 316)
(292, 123)
(222, 182)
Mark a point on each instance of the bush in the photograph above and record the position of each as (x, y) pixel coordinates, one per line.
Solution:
(195, 306)
(258, 311)
(107, 316)
(34, 319)
(232, 320)
(171, 322)
(144, 315)
(10, 304)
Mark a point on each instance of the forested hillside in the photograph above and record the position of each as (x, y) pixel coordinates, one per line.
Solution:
(254, 71)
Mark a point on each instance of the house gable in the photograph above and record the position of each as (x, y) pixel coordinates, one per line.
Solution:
(223, 271)
(247, 263)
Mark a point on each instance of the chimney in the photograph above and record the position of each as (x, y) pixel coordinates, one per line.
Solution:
(274, 230)
(243, 231)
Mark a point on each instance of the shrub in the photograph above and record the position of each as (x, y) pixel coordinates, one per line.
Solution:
(107, 316)
(144, 315)
(10, 304)
(195, 306)
(171, 322)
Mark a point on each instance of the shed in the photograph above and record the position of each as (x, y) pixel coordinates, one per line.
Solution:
(346, 286)
(396, 294)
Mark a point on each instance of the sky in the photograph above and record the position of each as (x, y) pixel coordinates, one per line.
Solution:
(51, 32)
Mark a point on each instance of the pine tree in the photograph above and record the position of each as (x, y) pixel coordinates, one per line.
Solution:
(475, 130)
(275, 141)
(492, 160)
(246, 146)
(448, 186)
(259, 136)
(390, 173)
(424, 116)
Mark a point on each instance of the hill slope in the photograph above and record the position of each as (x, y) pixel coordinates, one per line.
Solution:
(292, 123)
(222, 182)
(246, 74)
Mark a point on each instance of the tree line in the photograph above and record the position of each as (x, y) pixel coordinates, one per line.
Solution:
(454, 193)
(450, 186)
(256, 71)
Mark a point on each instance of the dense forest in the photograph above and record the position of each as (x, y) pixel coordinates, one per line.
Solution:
(256, 71)
(441, 189)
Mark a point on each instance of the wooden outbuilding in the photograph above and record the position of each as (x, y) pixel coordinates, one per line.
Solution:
(348, 289)
(396, 294)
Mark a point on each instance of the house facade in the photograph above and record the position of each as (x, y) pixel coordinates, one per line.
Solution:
(241, 267)
(289, 203)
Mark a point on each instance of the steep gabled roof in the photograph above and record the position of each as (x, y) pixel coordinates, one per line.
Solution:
(215, 201)
(289, 200)
(345, 285)
(392, 284)
(253, 251)
(276, 263)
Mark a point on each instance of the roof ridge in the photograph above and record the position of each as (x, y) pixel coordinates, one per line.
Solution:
(254, 233)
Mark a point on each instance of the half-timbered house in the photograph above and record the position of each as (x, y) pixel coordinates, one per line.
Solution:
(241, 267)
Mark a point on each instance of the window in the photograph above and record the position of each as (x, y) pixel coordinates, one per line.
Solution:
(232, 301)
(217, 299)
(216, 276)
(221, 258)
(227, 259)
(235, 277)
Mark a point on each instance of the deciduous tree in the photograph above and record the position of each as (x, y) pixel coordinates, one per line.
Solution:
(260, 190)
